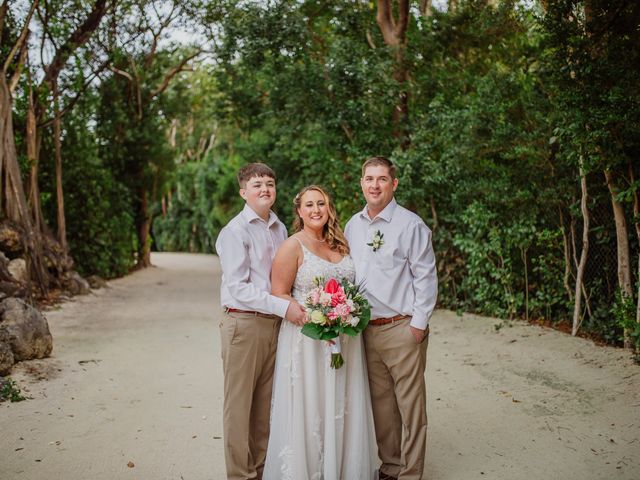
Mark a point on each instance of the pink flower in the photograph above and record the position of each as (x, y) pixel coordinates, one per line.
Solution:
(342, 310)
(338, 298)
(315, 296)
(333, 315)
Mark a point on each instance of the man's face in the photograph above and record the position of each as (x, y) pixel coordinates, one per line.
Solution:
(259, 193)
(378, 187)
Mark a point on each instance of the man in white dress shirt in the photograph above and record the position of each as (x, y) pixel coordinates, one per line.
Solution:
(250, 322)
(394, 259)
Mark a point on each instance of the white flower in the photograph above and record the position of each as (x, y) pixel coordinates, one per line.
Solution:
(376, 241)
(352, 320)
(318, 317)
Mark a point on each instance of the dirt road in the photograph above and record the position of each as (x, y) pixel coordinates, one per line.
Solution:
(134, 391)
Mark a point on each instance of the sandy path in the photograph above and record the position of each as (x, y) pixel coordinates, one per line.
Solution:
(135, 377)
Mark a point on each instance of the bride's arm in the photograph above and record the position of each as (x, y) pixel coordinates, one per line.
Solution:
(283, 273)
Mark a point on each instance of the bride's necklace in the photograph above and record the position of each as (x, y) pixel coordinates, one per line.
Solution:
(304, 232)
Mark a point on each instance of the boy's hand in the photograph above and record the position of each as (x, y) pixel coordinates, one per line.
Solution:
(296, 314)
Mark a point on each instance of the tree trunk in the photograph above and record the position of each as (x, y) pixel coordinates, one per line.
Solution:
(636, 221)
(394, 33)
(572, 229)
(425, 8)
(567, 256)
(434, 214)
(401, 111)
(585, 251)
(523, 253)
(143, 224)
(62, 228)
(14, 204)
(622, 242)
(31, 141)
(13, 198)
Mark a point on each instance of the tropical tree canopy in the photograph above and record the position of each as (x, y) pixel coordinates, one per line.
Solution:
(515, 127)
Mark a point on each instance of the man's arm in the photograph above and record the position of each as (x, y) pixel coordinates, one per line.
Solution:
(234, 259)
(422, 263)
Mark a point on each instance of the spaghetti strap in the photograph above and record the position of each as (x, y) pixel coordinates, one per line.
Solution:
(304, 248)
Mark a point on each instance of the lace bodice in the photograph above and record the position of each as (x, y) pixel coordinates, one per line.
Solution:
(314, 266)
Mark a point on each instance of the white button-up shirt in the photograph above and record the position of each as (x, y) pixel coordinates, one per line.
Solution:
(246, 247)
(400, 277)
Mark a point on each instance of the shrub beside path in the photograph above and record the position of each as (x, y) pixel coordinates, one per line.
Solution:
(133, 390)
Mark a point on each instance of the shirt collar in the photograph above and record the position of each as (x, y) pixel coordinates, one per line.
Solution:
(386, 214)
(250, 216)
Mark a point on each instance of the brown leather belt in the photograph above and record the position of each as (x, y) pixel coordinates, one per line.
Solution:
(376, 322)
(250, 312)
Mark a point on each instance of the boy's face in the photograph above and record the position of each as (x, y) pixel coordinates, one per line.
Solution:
(259, 193)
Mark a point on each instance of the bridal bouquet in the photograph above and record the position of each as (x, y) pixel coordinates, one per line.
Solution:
(335, 308)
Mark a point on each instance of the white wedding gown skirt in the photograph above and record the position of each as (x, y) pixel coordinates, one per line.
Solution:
(321, 420)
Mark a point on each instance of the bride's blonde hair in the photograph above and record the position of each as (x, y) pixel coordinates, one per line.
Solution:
(331, 232)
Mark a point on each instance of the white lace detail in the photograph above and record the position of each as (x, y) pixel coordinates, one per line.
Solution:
(314, 266)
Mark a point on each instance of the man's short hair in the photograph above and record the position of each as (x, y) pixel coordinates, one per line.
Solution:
(375, 161)
(251, 170)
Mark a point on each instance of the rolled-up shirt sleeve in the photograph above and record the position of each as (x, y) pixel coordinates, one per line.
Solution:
(233, 251)
(422, 262)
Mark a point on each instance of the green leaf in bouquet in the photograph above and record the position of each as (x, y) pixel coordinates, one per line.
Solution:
(364, 319)
(329, 335)
(349, 330)
(312, 330)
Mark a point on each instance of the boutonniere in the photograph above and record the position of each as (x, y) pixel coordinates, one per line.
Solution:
(376, 241)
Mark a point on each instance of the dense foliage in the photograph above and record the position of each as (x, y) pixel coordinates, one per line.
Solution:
(103, 241)
(505, 104)
(497, 121)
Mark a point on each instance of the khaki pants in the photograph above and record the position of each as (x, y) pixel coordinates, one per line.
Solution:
(396, 364)
(248, 356)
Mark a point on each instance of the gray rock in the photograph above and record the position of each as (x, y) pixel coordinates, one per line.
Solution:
(6, 354)
(18, 269)
(77, 285)
(26, 328)
(96, 282)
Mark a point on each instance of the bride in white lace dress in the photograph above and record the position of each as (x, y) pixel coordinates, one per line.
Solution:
(321, 420)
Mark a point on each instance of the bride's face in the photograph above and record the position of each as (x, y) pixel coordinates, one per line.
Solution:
(313, 210)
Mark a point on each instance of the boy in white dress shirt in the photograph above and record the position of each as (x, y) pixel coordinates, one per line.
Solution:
(394, 259)
(251, 320)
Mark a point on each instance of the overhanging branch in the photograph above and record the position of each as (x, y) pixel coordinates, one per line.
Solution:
(173, 72)
(21, 39)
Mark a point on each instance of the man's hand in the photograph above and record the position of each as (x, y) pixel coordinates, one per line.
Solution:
(296, 313)
(418, 334)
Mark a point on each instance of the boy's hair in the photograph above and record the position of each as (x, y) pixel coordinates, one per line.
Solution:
(251, 170)
(375, 161)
